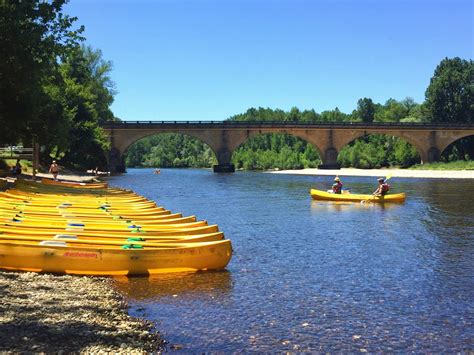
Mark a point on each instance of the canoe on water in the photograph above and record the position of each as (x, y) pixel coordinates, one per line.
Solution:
(326, 196)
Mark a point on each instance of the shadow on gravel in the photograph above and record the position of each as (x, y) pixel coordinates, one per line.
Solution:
(51, 313)
(36, 336)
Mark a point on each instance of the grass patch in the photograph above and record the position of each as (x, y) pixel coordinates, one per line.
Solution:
(452, 165)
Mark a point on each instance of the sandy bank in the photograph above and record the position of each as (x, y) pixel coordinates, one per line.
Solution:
(71, 314)
(70, 176)
(431, 174)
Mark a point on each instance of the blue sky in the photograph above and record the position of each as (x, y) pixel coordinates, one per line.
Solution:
(211, 59)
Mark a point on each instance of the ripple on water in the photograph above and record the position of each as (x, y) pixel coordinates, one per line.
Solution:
(312, 276)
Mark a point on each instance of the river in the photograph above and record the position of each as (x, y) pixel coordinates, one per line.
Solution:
(312, 276)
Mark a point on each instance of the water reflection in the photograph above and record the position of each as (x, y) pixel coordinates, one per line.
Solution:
(339, 206)
(185, 284)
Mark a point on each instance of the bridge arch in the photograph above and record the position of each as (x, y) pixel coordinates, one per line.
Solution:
(460, 148)
(177, 149)
(121, 141)
(375, 150)
(304, 154)
(406, 136)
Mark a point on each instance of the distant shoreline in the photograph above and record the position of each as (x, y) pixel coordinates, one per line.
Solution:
(403, 173)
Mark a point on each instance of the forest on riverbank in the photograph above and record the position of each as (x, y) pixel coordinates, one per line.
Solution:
(57, 91)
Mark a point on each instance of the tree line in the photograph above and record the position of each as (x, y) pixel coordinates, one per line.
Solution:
(53, 88)
(58, 91)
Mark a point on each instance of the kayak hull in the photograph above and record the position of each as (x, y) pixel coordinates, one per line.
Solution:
(86, 185)
(326, 196)
(28, 256)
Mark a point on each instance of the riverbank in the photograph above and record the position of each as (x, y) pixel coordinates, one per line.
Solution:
(404, 173)
(71, 314)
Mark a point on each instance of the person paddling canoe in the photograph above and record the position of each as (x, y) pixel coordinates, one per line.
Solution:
(337, 186)
(382, 189)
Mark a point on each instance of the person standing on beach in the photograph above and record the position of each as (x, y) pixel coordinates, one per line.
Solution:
(54, 169)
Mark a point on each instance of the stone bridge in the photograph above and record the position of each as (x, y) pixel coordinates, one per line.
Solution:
(327, 137)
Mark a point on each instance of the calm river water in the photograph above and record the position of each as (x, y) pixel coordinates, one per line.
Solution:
(315, 276)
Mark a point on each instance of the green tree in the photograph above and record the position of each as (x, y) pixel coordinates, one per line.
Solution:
(366, 109)
(450, 95)
(376, 151)
(392, 111)
(334, 116)
(170, 150)
(88, 95)
(33, 34)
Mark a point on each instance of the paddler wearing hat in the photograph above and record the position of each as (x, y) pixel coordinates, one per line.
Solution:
(382, 188)
(337, 186)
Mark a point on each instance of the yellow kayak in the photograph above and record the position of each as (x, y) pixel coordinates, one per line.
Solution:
(86, 185)
(326, 196)
(35, 230)
(96, 230)
(113, 240)
(85, 209)
(80, 225)
(60, 257)
(33, 192)
(53, 220)
(11, 213)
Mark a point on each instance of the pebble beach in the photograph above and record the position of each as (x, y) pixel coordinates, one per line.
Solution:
(44, 313)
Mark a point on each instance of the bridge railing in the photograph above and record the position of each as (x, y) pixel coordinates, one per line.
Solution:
(294, 124)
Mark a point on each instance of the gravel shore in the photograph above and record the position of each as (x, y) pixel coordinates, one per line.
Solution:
(69, 314)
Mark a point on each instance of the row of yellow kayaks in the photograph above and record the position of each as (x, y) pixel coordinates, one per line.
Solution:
(327, 196)
(93, 230)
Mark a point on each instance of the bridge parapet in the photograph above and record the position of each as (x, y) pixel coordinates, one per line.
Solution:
(286, 124)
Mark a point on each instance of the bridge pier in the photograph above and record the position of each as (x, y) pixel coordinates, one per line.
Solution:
(224, 168)
(433, 155)
(116, 161)
(224, 164)
(430, 156)
(329, 160)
